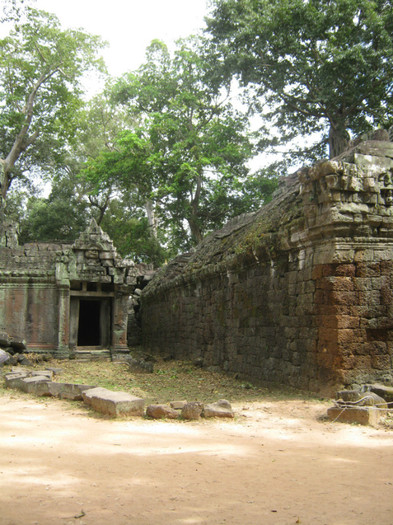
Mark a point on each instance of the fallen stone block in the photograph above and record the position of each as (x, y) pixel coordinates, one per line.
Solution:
(161, 412)
(113, 403)
(349, 395)
(14, 379)
(386, 392)
(56, 371)
(360, 415)
(4, 357)
(29, 385)
(178, 405)
(18, 343)
(192, 410)
(221, 408)
(70, 391)
(46, 373)
(140, 365)
(5, 339)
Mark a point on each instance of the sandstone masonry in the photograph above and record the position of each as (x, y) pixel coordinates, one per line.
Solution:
(299, 292)
(69, 300)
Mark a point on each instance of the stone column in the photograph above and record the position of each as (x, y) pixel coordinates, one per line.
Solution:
(119, 348)
(63, 350)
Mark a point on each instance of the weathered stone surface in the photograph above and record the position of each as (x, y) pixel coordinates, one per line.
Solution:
(140, 365)
(5, 339)
(113, 403)
(299, 292)
(366, 399)
(4, 357)
(161, 412)
(45, 373)
(14, 379)
(386, 392)
(192, 410)
(18, 343)
(29, 385)
(349, 395)
(70, 391)
(221, 408)
(361, 415)
(178, 405)
(43, 289)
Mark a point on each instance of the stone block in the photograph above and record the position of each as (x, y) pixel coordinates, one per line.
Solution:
(360, 415)
(178, 405)
(221, 408)
(386, 392)
(5, 339)
(29, 384)
(70, 391)
(113, 403)
(14, 379)
(46, 373)
(192, 410)
(161, 412)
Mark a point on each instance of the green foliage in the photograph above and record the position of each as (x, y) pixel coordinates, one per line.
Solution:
(60, 217)
(314, 66)
(188, 147)
(40, 97)
(132, 235)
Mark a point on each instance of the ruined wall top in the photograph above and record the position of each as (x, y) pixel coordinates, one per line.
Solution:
(92, 257)
(348, 198)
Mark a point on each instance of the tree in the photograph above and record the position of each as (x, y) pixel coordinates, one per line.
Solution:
(40, 69)
(317, 65)
(188, 145)
(60, 217)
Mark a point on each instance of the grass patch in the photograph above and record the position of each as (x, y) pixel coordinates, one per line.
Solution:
(171, 380)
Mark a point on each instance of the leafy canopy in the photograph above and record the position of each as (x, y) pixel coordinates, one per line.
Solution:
(188, 148)
(314, 65)
(41, 65)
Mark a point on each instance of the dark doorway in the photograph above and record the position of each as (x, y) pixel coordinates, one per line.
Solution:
(89, 323)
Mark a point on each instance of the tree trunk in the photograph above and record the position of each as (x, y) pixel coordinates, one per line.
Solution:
(196, 234)
(338, 139)
(151, 217)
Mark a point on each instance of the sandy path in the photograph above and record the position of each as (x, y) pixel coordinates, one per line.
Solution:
(276, 464)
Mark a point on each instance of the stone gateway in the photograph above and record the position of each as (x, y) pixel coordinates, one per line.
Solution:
(299, 292)
(69, 300)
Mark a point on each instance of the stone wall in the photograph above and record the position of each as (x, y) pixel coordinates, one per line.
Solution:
(66, 298)
(297, 293)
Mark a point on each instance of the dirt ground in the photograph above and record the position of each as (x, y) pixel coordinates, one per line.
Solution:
(276, 463)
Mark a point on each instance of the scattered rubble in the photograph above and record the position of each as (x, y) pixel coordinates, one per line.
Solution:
(364, 406)
(108, 402)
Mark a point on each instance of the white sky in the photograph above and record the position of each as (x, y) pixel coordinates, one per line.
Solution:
(129, 25)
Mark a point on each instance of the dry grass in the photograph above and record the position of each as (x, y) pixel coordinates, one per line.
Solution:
(172, 380)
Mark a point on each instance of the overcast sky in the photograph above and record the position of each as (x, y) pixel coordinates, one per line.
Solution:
(129, 25)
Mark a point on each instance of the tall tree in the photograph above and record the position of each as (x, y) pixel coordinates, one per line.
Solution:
(40, 68)
(188, 144)
(317, 65)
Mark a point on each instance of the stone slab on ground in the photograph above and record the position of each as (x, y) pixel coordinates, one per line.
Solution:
(70, 391)
(30, 385)
(192, 410)
(4, 357)
(221, 408)
(14, 379)
(360, 415)
(113, 403)
(385, 391)
(161, 412)
(178, 405)
(46, 373)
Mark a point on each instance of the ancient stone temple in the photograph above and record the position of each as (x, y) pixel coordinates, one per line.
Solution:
(66, 299)
(300, 292)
